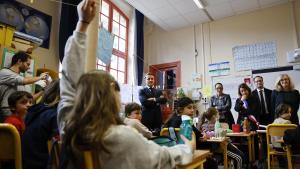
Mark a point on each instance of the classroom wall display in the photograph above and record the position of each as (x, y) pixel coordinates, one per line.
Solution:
(26, 19)
(255, 56)
(196, 81)
(130, 93)
(219, 69)
(105, 45)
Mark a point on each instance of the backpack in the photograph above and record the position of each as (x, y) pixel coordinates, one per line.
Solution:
(168, 141)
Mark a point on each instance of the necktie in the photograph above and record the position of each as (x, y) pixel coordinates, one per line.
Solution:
(262, 102)
(152, 90)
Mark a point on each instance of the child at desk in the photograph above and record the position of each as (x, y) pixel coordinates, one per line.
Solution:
(19, 103)
(209, 118)
(283, 115)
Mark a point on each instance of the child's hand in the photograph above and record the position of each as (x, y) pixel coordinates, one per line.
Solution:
(86, 11)
(191, 143)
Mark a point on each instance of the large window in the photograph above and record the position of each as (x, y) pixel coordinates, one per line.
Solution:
(115, 21)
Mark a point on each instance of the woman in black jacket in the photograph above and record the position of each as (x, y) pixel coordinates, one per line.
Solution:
(285, 93)
(246, 105)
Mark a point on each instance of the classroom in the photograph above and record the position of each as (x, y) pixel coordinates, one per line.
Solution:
(224, 74)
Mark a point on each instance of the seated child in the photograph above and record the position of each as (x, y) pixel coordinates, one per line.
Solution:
(209, 119)
(41, 126)
(133, 118)
(18, 102)
(282, 115)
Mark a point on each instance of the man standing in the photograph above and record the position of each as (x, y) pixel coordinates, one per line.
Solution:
(11, 80)
(151, 99)
(266, 115)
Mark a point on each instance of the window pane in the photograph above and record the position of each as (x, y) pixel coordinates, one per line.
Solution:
(116, 16)
(105, 8)
(99, 62)
(122, 45)
(104, 21)
(114, 73)
(115, 28)
(123, 21)
(121, 77)
(123, 32)
(121, 64)
(114, 62)
(99, 67)
(116, 42)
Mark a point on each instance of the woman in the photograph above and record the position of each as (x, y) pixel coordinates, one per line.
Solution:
(222, 102)
(285, 93)
(246, 105)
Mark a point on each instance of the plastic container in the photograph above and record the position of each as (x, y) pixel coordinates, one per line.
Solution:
(186, 128)
(236, 128)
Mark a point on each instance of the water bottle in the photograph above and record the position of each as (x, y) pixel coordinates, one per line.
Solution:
(186, 128)
(217, 126)
(246, 125)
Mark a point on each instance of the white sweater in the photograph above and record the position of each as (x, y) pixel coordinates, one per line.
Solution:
(129, 149)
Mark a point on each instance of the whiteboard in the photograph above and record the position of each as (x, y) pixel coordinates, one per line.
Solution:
(230, 86)
(129, 93)
(270, 78)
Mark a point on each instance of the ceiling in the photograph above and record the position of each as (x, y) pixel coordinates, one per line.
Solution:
(175, 14)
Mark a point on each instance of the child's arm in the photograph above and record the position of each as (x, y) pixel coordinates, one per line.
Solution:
(74, 60)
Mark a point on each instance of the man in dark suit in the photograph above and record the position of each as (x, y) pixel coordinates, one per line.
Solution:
(263, 96)
(151, 99)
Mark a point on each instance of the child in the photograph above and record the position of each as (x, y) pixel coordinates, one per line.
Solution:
(41, 126)
(89, 114)
(209, 119)
(282, 115)
(18, 102)
(133, 119)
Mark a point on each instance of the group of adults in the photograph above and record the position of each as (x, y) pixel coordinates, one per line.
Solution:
(260, 103)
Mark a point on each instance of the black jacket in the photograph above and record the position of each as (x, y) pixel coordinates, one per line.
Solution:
(265, 119)
(41, 126)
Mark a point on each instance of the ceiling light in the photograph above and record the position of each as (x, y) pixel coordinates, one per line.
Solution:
(199, 4)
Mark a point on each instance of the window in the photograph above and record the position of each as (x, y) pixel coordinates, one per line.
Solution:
(115, 21)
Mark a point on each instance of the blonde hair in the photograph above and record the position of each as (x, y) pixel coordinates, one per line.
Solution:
(278, 86)
(96, 108)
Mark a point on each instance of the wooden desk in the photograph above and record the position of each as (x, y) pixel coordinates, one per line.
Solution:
(250, 142)
(198, 160)
(223, 144)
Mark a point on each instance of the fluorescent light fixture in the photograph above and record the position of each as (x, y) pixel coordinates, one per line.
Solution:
(199, 4)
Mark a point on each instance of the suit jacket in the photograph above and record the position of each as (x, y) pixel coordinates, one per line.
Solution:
(151, 113)
(265, 118)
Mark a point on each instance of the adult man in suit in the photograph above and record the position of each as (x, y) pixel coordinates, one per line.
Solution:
(266, 115)
(151, 99)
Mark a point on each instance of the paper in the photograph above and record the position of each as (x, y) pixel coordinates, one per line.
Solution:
(105, 46)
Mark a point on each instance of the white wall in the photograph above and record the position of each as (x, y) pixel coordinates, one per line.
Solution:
(270, 24)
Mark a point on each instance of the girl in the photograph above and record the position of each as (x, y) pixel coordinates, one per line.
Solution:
(246, 105)
(282, 115)
(89, 112)
(209, 119)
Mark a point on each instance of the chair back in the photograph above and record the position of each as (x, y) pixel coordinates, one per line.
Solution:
(54, 149)
(91, 160)
(10, 144)
(165, 131)
(279, 129)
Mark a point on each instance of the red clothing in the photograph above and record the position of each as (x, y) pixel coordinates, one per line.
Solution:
(17, 121)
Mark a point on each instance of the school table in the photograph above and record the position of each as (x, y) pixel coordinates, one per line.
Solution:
(198, 159)
(250, 142)
(223, 141)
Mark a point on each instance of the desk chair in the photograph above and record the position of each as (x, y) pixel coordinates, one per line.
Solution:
(10, 145)
(91, 159)
(54, 149)
(278, 130)
(165, 131)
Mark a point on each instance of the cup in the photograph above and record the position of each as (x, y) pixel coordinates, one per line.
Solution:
(236, 128)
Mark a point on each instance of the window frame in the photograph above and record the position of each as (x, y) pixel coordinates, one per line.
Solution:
(116, 52)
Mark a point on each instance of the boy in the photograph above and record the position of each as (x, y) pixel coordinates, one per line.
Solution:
(18, 102)
(133, 119)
